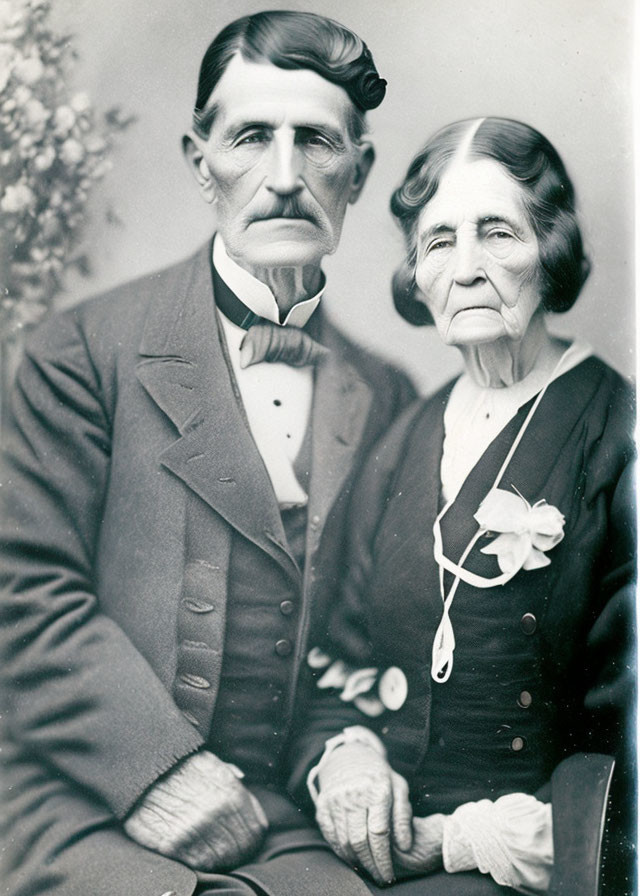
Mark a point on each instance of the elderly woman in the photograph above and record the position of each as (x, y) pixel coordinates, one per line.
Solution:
(486, 626)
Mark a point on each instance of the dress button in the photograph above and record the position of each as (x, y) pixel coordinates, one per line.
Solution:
(525, 699)
(286, 607)
(528, 623)
(517, 744)
(393, 688)
(283, 647)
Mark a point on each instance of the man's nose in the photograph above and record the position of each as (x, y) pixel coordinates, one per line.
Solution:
(284, 175)
(468, 259)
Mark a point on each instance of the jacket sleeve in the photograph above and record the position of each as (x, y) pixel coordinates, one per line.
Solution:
(347, 638)
(79, 695)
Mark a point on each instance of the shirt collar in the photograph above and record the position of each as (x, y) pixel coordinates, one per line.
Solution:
(256, 295)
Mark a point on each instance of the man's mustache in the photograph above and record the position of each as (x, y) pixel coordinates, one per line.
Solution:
(284, 207)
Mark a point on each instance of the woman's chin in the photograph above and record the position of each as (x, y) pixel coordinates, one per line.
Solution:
(476, 327)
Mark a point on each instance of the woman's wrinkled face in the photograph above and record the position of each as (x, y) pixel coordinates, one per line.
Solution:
(477, 255)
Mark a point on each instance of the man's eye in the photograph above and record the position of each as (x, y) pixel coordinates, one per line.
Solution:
(252, 137)
(500, 235)
(316, 140)
(318, 147)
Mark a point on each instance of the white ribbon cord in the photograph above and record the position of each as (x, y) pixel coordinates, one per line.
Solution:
(444, 641)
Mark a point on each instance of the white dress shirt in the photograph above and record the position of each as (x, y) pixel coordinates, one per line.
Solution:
(277, 398)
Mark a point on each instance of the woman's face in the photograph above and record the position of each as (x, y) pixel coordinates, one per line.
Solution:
(478, 258)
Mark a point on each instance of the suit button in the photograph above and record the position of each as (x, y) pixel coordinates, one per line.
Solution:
(195, 681)
(528, 623)
(197, 606)
(286, 607)
(315, 522)
(525, 699)
(283, 647)
(518, 744)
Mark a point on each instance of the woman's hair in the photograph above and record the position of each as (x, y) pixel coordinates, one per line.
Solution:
(548, 196)
(293, 40)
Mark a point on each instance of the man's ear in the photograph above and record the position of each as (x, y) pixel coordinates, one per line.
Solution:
(366, 158)
(198, 167)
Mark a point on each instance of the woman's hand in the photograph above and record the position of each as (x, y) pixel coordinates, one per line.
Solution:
(425, 854)
(363, 809)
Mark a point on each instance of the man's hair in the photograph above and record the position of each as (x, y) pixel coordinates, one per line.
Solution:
(293, 40)
(547, 192)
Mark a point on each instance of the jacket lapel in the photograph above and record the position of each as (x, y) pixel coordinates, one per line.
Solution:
(340, 411)
(184, 371)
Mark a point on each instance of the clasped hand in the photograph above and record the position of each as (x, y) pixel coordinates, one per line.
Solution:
(364, 813)
(200, 814)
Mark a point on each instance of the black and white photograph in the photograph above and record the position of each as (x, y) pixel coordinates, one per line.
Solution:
(318, 524)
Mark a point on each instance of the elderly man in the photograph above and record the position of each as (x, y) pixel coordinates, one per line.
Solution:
(177, 469)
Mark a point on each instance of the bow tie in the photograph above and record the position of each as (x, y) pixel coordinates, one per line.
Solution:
(266, 341)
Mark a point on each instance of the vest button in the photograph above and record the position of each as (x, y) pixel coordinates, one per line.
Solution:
(283, 647)
(518, 744)
(525, 699)
(528, 623)
(286, 607)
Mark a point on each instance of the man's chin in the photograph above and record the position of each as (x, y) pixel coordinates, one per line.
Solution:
(286, 251)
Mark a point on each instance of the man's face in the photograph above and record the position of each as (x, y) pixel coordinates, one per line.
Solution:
(279, 164)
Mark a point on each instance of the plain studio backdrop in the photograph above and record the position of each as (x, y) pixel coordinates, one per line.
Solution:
(563, 66)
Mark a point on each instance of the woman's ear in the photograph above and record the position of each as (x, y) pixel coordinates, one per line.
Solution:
(366, 158)
(198, 167)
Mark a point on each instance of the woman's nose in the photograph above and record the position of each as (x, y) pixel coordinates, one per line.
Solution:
(468, 260)
(285, 164)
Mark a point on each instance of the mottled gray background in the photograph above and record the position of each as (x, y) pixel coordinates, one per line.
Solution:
(563, 66)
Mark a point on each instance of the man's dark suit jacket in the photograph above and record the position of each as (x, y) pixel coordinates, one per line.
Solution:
(129, 465)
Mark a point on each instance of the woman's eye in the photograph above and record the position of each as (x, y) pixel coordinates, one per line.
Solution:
(500, 235)
(439, 245)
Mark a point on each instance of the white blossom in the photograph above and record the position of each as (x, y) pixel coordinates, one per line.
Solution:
(81, 103)
(36, 116)
(71, 152)
(45, 159)
(13, 22)
(22, 94)
(6, 57)
(29, 69)
(64, 119)
(17, 198)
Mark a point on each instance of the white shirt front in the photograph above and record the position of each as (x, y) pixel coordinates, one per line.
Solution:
(277, 398)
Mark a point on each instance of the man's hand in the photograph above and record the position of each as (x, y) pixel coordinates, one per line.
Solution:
(201, 815)
(362, 808)
(425, 854)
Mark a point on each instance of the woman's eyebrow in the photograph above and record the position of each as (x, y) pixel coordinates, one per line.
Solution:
(499, 219)
(435, 230)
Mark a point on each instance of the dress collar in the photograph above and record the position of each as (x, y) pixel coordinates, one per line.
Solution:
(256, 295)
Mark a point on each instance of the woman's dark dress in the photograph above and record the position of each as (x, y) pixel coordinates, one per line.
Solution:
(544, 665)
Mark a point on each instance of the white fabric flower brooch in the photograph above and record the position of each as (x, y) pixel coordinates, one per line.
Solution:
(525, 532)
